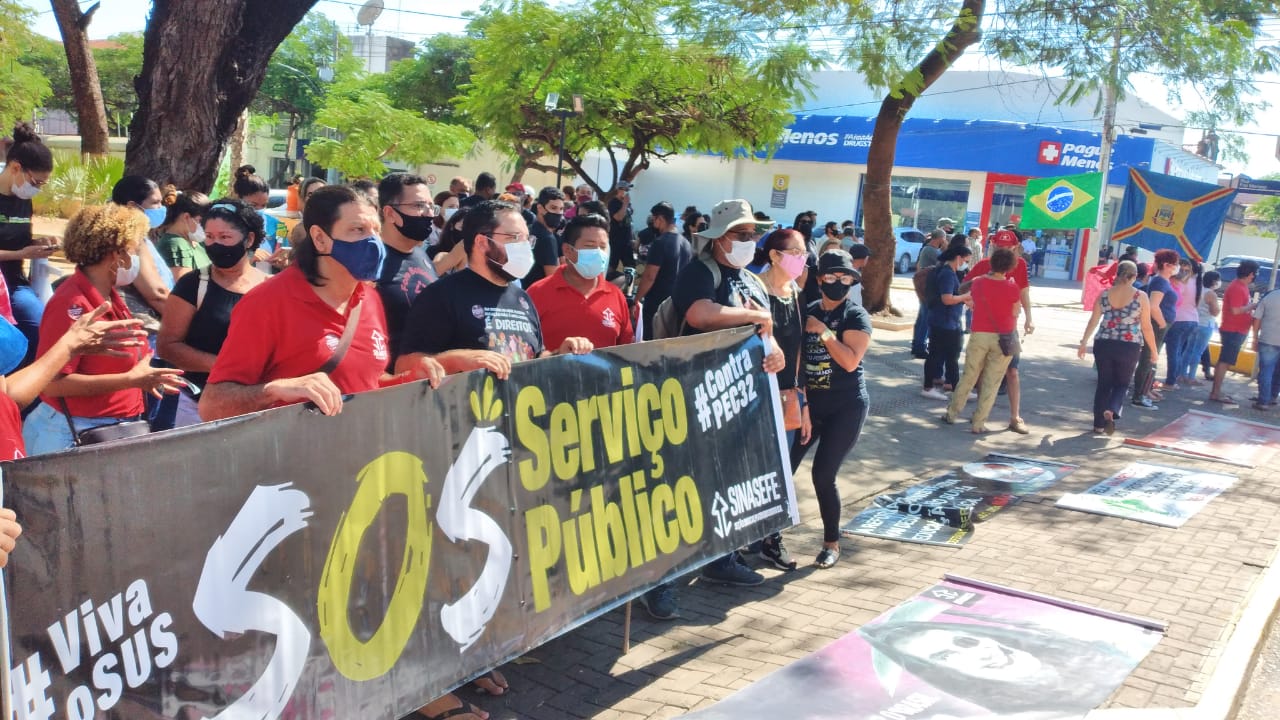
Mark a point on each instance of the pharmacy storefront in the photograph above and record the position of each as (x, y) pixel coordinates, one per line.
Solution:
(974, 171)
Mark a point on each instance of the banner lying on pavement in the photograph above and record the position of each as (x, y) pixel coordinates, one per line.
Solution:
(957, 650)
(1156, 494)
(290, 565)
(1199, 434)
(942, 511)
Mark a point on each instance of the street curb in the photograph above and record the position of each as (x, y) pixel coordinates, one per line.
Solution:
(1221, 693)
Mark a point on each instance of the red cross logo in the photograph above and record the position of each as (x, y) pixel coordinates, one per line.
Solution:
(1050, 152)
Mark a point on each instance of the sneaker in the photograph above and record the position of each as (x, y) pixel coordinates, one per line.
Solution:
(973, 395)
(773, 551)
(660, 603)
(827, 558)
(1146, 404)
(730, 571)
(933, 394)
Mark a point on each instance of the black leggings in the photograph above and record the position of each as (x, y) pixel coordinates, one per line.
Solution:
(1116, 360)
(944, 356)
(837, 421)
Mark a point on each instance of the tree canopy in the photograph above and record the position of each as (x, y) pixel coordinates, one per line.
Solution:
(119, 60)
(25, 86)
(428, 82)
(645, 94)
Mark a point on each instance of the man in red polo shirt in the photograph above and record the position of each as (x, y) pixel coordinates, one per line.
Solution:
(286, 333)
(1008, 239)
(576, 300)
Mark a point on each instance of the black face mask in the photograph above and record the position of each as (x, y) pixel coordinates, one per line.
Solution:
(834, 291)
(415, 227)
(553, 220)
(225, 256)
(805, 229)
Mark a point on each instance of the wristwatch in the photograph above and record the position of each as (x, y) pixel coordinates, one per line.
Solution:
(827, 335)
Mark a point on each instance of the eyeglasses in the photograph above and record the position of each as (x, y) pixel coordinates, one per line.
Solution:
(424, 209)
(38, 183)
(836, 277)
(518, 237)
(743, 235)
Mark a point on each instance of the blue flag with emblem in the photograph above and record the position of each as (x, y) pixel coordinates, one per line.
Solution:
(1164, 212)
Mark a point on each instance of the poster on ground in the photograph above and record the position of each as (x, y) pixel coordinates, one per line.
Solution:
(943, 510)
(290, 565)
(956, 651)
(1156, 494)
(1199, 434)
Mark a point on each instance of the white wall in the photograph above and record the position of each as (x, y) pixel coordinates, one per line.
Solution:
(1237, 240)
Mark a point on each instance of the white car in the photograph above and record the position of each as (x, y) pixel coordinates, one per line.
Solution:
(907, 244)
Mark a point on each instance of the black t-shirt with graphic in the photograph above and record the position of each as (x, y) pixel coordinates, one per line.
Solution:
(822, 373)
(464, 311)
(404, 275)
(15, 234)
(736, 289)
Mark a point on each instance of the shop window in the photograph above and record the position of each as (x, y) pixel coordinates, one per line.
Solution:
(1006, 204)
(920, 202)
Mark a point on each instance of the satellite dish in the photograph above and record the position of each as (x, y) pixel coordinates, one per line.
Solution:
(369, 12)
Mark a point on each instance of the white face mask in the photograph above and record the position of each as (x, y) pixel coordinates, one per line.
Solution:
(126, 276)
(26, 190)
(741, 254)
(519, 259)
(448, 213)
(197, 235)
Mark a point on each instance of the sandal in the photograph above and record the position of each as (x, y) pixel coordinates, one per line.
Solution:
(946, 418)
(1224, 399)
(1109, 420)
(491, 683)
(1018, 426)
(827, 558)
(463, 708)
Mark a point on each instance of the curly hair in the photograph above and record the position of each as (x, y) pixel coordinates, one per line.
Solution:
(99, 230)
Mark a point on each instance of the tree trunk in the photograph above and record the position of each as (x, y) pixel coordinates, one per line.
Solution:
(876, 192)
(91, 112)
(202, 65)
(238, 138)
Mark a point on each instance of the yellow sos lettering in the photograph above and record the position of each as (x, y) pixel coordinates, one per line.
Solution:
(395, 473)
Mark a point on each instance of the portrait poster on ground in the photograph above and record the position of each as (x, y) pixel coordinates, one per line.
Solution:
(943, 510)
(954, 651)
(290, 565)
(1156, 494)
(1199, 434)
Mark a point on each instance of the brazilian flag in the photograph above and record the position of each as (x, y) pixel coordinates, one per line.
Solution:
(1062, 203)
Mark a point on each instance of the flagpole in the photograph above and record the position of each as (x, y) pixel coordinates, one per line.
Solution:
(1108, 132)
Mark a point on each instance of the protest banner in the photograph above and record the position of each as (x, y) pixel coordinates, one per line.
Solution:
(1156, 494)
(1202, 435)
(290, 565)
(960, 649)
(942, 511)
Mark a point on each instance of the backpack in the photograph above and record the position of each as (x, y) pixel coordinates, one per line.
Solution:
(667, 324)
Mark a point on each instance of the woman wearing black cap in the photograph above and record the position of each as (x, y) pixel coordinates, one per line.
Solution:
(837, 334)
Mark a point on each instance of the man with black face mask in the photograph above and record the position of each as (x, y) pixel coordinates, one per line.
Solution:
(406, 209)
(546, 252)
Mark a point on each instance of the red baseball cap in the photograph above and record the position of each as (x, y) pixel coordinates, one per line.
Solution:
(1006, 239)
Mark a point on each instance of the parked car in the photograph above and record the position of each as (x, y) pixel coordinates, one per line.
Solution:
(907, 244)
(1227, 269)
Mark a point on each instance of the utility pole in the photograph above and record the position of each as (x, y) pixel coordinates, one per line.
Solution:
(1110, 91)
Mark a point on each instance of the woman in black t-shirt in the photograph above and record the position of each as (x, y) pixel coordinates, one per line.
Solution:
(197, 313)
(28, 165)
(837, 334)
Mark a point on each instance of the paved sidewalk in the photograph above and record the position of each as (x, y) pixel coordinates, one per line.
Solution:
(1198, 578)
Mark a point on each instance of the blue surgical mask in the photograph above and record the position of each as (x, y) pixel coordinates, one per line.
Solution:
(155, 216)
(13, 347)
(362, 258)
(592, 262)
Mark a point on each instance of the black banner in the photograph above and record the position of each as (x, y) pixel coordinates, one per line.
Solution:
(289, 565)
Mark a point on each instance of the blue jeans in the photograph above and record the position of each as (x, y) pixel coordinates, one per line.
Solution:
(920, 333)
(1268, 372)
(1199, 343)
(45, 430)
(1177, 343)
(27, 310)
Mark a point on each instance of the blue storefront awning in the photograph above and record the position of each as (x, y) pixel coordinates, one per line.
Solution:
(974, 145)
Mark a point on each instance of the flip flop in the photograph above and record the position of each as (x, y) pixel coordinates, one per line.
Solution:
(1109, 423)
(491, 683)
(463, 708)
(1224, 399)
